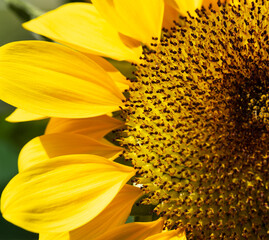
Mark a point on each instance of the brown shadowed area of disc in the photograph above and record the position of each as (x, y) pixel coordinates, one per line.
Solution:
(197, 123)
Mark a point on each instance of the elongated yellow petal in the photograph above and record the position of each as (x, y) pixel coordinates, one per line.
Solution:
(95, 127)
(178, 234)
(52, 80)
(20, 115)
(53, 145)
(80, 26)
(63, 193)
(113, 215)
(183, 6)
(133, 231)
(120, 80)
(138, 19)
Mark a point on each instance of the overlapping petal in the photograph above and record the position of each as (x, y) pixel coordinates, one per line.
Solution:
(170, 15)
(138, 19)
(113, 215)
(63, 193)
(80, 26)
(53, 145)
(177, 234)
(120, 80)
(183, 6)
(133, 231)
(52, 80)
(95, 127)
(20, 115)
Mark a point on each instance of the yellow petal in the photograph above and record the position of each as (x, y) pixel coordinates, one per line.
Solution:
(138, 19)
(115, 214)
(20, 115)
(95, 127)
(52, 80)
(80, 26)
(170, 15)
(54, 236)
(133, 231)
(183, 6)
(63, 193)
(53, 145)
(120, 80)
(178, 234)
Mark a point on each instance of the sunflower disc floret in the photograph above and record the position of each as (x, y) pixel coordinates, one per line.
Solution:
(197, 123)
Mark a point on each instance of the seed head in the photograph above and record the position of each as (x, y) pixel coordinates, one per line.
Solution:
(198, 119)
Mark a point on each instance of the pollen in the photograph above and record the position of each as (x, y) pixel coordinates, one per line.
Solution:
(197, 120)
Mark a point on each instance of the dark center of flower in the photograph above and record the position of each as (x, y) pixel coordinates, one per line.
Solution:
(197, 123)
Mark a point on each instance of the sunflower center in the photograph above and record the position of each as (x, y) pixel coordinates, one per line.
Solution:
(197, 123)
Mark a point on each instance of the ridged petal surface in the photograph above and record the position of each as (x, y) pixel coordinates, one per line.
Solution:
(52, 80)
(95, 127)
(113, 215)
(138, 19)
(133, 231)
(80, 26)
(53, 145)
(63, 193)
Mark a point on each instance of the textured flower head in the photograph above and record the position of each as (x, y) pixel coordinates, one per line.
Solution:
(192, 122)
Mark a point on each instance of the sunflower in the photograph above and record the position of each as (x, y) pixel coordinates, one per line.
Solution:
(193, 123)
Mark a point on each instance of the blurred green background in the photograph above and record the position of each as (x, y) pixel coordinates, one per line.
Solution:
(14, 135)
